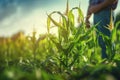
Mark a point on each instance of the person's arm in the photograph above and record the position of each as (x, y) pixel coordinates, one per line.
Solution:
(87, 18)
(98, 7)
(88, 14)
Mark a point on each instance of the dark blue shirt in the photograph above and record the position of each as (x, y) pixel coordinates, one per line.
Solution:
(95, 2)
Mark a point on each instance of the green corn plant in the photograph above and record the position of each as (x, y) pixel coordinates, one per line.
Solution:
(71, 40)
(35, 44)
(8, 51)
(115, 39)
(34, 47)
(110, 42)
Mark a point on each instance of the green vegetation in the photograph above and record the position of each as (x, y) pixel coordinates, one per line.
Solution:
(73, 54)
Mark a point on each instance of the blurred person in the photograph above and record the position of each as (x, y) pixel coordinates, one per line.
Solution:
(102, 11)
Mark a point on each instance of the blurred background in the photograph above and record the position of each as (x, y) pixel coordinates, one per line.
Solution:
(26, 15)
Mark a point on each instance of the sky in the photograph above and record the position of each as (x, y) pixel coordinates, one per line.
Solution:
(26, 15)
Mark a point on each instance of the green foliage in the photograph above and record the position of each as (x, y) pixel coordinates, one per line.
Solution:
(73, 54)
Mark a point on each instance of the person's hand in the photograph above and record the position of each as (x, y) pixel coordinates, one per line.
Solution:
(87, 23)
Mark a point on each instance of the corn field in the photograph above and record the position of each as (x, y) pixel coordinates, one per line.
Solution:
(72, 54)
